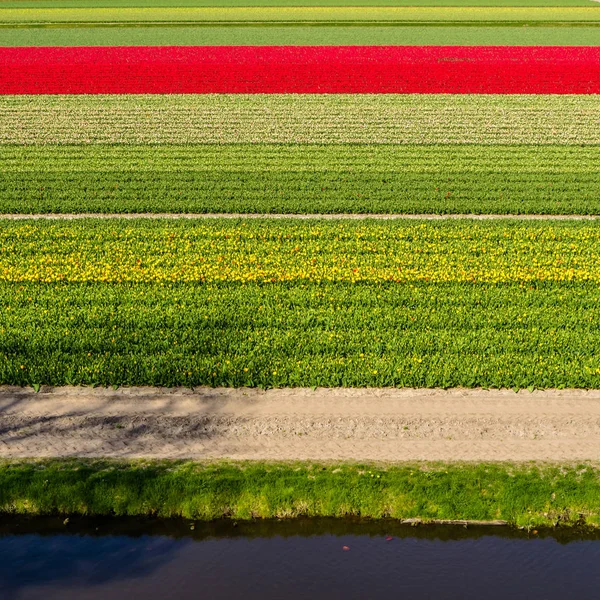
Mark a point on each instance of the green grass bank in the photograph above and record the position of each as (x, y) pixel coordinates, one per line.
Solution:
(526, 496)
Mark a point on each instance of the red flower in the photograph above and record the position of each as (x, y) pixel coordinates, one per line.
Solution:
(301, 69)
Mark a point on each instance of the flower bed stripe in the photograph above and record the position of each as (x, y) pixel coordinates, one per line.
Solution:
(423, 119)
(302, 35)
(295, 251)
(304, 14)
(296, 303)
(289, 178)
(301, 69)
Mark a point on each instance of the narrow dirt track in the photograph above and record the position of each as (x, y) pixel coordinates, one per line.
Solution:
(302, 217)
(288, 424)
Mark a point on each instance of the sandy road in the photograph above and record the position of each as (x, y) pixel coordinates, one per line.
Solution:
(287, 424)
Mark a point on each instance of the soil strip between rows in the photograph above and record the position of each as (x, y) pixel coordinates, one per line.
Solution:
(341, 216)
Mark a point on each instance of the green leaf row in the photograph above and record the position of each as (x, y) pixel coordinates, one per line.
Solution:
(303, 35)
(280, 3)
(300, 179)
(306, 14)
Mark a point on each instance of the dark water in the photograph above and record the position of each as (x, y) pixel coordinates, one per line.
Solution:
(130, 559)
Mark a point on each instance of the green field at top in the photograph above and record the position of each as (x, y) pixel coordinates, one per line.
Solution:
(311, 14)
(300, 35)
(280, 3)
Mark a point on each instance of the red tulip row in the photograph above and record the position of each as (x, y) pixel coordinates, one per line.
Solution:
(301, 69)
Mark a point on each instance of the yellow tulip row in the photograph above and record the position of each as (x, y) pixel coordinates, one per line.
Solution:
(286, 251)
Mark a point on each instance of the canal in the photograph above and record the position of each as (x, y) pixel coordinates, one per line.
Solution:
(126, 559)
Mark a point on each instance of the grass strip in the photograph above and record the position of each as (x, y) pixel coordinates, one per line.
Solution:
(289, 14)
(526, 496)
(335, 35)
(499, 304)
(301, 119)
(314, 179)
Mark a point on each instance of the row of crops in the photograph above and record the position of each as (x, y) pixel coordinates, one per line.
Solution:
(304, 14)
(585, 34)
(289, 180)
(365, 4)
(298, 302)
(298, 22)
(301, 70)
(259, 251)
(425, 119)
(300, 154)
(278, 303)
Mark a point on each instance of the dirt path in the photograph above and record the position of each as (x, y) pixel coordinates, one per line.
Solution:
(343, 216)
(326, 424)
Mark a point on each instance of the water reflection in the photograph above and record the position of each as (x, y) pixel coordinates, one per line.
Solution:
(51, 561)
(151, 559)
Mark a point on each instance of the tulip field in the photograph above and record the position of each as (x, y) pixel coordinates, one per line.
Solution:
(166, 170)
(241, 302)
(301, 70)
(285, 179)
(300, 304)
(290, 153)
